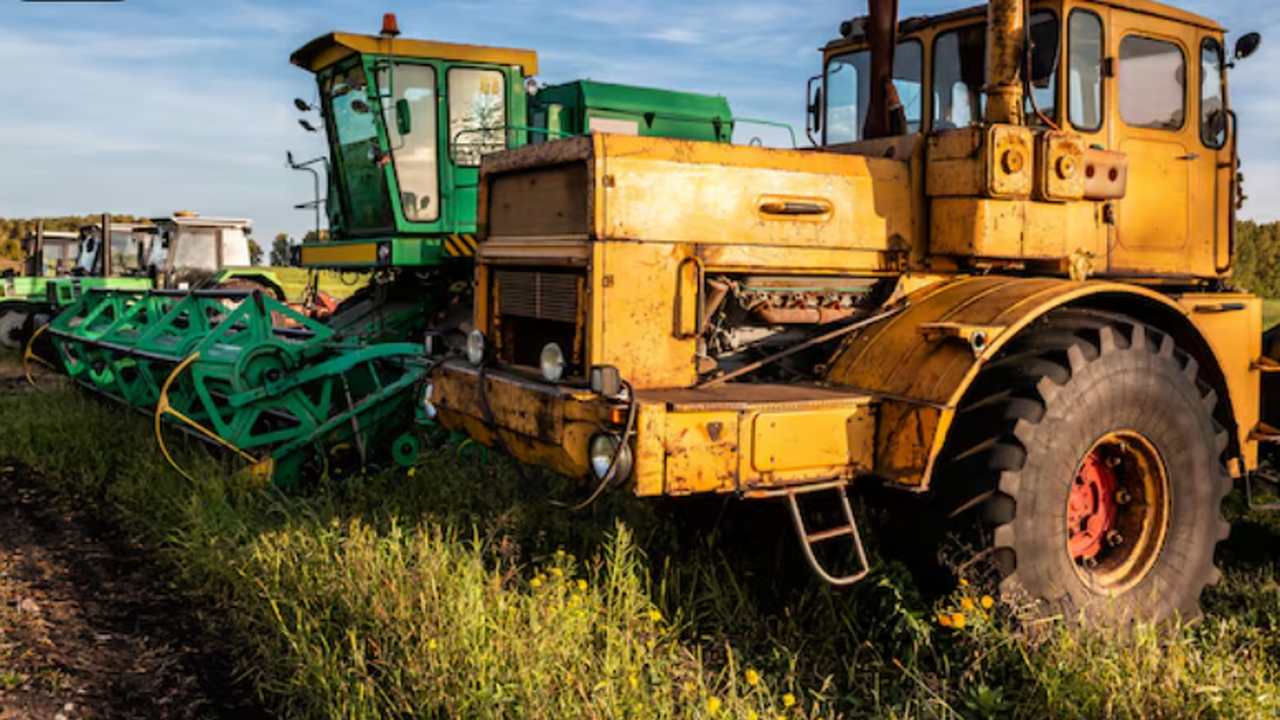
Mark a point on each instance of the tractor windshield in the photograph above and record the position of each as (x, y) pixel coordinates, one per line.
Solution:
(849, 91)
(356, 152)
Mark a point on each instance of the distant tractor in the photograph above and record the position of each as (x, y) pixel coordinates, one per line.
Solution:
(998, 289)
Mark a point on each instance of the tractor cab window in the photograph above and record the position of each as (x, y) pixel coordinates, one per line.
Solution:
(356, 152)
(848, 92)
(477, 114)
(1213, 100)
(1153, 81)
(197, 249)
(960, 73)
(1084, 60)
(413, 154)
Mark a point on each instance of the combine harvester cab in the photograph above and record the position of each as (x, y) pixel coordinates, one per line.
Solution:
(998, 287)
(408, 122)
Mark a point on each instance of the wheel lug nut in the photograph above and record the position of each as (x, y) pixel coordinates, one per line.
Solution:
(1114, 538)
(1123, 497)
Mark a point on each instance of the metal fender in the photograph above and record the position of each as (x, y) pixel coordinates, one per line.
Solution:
(920, 362)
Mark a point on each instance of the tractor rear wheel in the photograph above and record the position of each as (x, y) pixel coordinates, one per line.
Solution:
(1088, 466)
(12, 323)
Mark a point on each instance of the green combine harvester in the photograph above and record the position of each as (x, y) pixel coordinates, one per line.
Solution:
(407, 123)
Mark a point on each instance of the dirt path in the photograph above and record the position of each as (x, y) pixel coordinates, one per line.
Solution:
(87, 628)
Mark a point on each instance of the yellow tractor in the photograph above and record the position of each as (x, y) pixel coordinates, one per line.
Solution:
(999, 283)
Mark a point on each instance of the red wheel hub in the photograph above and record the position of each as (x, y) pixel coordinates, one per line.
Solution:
(1091, 508)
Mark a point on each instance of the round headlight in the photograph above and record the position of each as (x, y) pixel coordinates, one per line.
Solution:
(604, 448)
(552, 362)
(429, 408)
(475, 347)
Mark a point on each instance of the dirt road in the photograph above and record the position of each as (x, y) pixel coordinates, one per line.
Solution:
(87, 628)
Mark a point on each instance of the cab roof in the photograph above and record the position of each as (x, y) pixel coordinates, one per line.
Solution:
(330, 49)
(1145, 7)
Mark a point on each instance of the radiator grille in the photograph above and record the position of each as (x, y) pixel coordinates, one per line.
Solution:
(538, 295)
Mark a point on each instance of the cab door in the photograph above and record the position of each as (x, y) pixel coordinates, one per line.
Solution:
(476, 124)
(1212, 185)
(1154, 122)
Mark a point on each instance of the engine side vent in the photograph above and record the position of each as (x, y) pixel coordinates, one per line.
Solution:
(538, 295)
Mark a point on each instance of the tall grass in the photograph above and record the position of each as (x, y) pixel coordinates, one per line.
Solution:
(457, 590)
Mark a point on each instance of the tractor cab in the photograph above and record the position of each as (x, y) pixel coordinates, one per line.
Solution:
(121, 256)
(1121, 104)
(51, 252)
(187, 250)
(408, 122)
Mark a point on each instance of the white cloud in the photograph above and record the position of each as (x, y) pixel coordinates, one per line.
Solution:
(681, 35)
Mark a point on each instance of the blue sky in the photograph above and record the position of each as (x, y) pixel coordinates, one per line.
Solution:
(150, 106)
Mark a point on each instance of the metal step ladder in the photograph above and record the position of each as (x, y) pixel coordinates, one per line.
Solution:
(849, 528)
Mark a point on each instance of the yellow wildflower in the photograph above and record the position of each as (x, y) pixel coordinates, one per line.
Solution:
(788, 700)
(635, 682)
(431, 644)
(966, 604)
(944, 620)
(957, 621)
(988, 601)
(655, 615)
(412, 471)
(535, 583)
(582, 585)
(713, 705)
(557, 571)
(753, 677)
(560, 553)
(964, 583)
(752, 715)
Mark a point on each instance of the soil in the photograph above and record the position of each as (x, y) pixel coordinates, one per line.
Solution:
(88, 629)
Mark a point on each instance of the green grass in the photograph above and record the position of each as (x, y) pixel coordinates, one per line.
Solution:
(1270, 314)
(458, 590)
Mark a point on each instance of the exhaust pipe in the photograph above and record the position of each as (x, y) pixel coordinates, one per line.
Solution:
(885, 117)
(1006, 33)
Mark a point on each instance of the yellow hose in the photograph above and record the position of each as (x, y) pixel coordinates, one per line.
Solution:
(163, 407)
(28, 355)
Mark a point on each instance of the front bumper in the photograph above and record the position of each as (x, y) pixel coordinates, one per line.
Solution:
(748, 439)
(539, 423)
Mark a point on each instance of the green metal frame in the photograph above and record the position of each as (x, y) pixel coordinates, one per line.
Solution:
(242, 369)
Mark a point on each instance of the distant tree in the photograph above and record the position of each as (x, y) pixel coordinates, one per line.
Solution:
(311, 237)
(280, 249)
(255, 252)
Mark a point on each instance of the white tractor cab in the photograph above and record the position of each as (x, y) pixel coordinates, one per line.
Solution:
(188, 250)
(54, 254)
(130, 243)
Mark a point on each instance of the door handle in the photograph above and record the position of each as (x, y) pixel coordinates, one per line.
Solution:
(1192, 156)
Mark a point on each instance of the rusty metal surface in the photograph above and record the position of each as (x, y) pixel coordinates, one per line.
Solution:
(742, 396)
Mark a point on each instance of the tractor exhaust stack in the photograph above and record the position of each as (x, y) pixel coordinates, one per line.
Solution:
(1006, 34)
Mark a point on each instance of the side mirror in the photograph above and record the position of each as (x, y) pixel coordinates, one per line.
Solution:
(814, 111)
(1247, 45)
(404, 119)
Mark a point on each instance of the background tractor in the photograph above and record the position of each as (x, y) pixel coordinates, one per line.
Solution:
(997, 291)
(408, 123)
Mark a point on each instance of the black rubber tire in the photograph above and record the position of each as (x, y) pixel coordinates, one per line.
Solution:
(1023, 432)
(13, 334)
